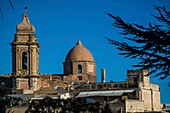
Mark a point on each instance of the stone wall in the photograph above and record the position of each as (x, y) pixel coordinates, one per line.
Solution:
(134, 105)
(156, 97)
(150, 94)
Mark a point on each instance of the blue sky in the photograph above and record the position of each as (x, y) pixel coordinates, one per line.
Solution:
(59, 24)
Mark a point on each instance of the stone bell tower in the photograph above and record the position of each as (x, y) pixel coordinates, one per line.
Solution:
(25, 56)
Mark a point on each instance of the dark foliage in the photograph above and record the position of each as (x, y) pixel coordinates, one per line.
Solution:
(49, 105)
(152, 43)
(4, 100)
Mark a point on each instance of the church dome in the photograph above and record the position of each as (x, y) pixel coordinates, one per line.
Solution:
(25, 25)
(79, 53)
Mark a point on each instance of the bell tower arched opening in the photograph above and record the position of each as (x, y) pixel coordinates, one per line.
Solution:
(24, 60)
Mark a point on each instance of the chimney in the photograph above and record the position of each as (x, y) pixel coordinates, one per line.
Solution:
(103, 75)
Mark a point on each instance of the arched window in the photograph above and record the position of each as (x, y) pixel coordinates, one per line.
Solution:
(24, 60)
(79, 69)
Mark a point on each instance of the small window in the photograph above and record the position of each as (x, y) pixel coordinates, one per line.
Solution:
(79, 69)
(24, 60)
(80, 78)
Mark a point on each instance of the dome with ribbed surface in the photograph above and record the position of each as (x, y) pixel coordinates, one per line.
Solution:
(79, 53)
(25, 25)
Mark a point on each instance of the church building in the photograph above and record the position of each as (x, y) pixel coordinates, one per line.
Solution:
(135, 94)
(79, 64)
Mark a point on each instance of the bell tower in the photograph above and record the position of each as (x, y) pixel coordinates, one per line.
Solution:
(25, 56)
